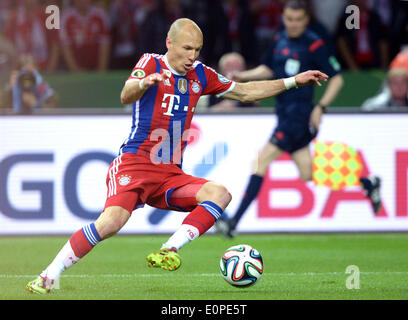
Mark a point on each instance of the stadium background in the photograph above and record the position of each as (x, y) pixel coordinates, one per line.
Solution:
(40, 154)
(53, 162)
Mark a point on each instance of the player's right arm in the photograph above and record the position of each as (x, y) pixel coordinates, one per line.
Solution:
(259, 90)
(134, 90)
(143, 77)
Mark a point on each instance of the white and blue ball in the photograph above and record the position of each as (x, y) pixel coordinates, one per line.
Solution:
(241, 265)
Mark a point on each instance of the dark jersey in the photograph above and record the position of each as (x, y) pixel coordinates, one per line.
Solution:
(290, 56)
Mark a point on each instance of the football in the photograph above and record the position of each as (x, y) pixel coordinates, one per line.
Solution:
(241, 265)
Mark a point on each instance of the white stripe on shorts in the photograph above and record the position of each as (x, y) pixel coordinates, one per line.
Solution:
(113, 171)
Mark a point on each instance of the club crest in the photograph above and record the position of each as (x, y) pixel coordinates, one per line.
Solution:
(124, 180)
(195, 87)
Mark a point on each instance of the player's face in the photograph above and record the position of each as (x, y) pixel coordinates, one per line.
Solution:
(184, 50)
(295, 22)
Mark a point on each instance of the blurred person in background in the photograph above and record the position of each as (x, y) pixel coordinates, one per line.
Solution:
(294, 50)
(367, 46)
(267, 20)
(85, 37)
(5, 11)
(124, 30)
(399, 26)
(210, 15)
(241, 36)
(7, 56)
(400, 60)
(126, 17)
(328, 13)
(157, 23)
(320, 29)
(26, 30)
(394, 91)
(26, 90)
(229, 64)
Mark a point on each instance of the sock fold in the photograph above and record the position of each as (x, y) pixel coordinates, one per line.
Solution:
(204, 216)
(84, 240)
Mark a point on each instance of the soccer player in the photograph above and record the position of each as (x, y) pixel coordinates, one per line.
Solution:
(294, 49)
(164, 90)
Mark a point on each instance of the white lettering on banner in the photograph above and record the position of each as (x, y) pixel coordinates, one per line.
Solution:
(70, 185)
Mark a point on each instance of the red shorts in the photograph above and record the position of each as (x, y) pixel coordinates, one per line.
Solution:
(134, 180)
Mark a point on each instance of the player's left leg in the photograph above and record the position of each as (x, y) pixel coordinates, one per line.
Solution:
(207, 202)
(211, 199)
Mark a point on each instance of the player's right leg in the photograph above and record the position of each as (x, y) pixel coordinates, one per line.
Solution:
(268, 154)
(81, 243)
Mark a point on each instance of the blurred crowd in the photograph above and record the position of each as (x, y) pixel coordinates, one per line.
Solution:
(102, 35)
(112, 34)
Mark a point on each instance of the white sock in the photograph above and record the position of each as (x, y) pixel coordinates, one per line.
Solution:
(181, 237)
(64, 259)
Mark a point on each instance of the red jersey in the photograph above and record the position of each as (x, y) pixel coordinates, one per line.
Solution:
(162, 116)
(28, 33)
(84, 34)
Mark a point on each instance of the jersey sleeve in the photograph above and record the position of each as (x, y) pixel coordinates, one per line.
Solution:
(323, 60)
(217, 84)
(145, 66)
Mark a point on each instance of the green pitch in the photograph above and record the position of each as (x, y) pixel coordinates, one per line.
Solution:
(302, 266)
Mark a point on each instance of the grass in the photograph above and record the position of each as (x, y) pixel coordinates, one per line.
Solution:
(296, 267)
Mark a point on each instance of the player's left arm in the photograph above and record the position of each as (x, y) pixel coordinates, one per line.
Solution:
(328, 64)
(259, 90)
(333, 88)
